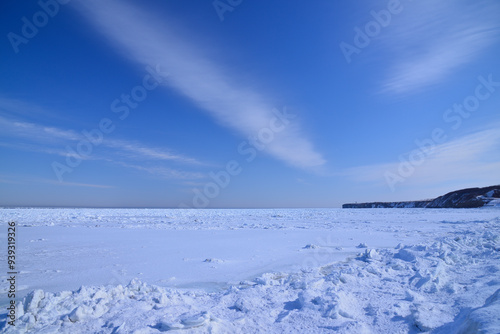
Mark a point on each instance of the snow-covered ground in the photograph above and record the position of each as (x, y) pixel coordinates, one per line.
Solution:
(254, 271)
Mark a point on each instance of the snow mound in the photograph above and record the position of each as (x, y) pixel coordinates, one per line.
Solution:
(479, 319)
(451, 284)
(212, 260)
(311, 246)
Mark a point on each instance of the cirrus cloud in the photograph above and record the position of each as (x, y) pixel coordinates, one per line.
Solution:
(148, 40)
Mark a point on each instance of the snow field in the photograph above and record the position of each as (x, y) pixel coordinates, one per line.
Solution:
(445, 278)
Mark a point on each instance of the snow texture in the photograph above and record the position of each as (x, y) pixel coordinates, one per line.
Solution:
(381, 271)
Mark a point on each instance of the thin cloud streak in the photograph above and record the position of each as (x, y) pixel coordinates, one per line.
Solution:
(52, 140)
(36, 148)
(14, 106)
(23, 180)
(75, 184)
(35, 132)
(137, 35)
(472, 157)
(40, 133)
(165, 173)
(429, 46)
(137, 150)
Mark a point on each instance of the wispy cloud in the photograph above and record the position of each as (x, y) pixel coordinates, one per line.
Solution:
(75, 184)
(52, 140)
(24, 180)
(472, 159)
(166, 173)
(432, 39)
(16, 106)
(149, 40)
(33, 131)
(37, 148)
(136, 150)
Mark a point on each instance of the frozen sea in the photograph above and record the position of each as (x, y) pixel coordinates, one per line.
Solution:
(253, 270)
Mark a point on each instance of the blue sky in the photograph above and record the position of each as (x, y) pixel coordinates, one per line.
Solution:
(246, 103)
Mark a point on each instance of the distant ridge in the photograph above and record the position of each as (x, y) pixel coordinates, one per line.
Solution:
(464, 198)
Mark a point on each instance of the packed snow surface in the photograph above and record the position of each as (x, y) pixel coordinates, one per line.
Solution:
(254, 271)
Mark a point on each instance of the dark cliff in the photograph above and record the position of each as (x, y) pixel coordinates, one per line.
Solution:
(464, 198)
